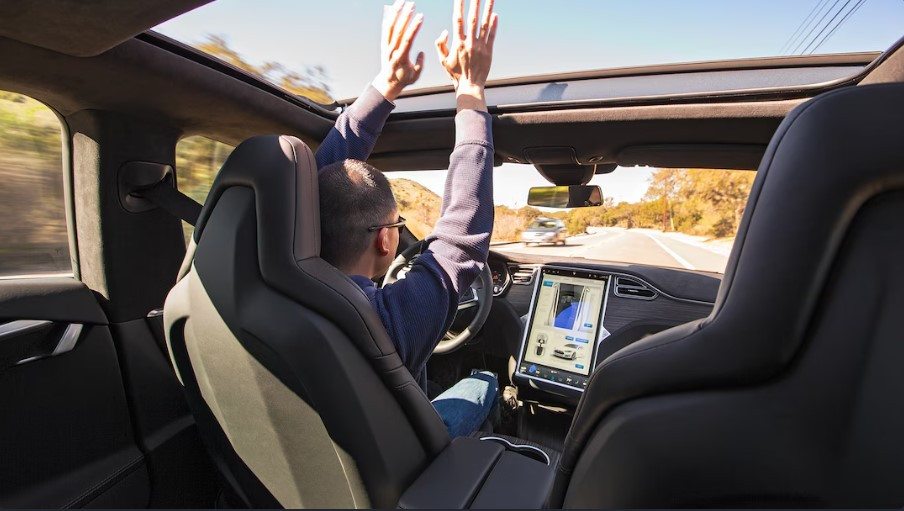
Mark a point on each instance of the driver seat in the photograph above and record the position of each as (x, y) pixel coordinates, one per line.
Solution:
(299, 393)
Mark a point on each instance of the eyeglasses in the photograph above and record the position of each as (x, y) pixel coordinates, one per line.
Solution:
(400, 223)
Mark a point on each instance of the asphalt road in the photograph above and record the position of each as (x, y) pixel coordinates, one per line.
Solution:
(635, 246)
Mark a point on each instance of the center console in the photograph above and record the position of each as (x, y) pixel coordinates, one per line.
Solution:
(480, 474)
(564, 329)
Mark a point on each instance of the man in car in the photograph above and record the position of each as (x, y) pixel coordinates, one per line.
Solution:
(360, 221)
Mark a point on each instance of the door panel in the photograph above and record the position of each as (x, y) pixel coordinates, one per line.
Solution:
(67, 436)
(181, 472)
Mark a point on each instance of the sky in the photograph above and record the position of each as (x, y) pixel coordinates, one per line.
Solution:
(541, 37)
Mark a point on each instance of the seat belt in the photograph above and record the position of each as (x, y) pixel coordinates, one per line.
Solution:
(174, 202)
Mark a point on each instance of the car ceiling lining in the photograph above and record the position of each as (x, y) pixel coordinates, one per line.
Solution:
(85, 28)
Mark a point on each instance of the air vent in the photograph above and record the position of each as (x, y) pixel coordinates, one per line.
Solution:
(627, 287)
(625, 281)
(522, 275)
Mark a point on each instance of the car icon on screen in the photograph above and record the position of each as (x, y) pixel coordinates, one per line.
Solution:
(568, 352)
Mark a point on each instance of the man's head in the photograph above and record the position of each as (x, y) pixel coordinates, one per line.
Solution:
(355, 200)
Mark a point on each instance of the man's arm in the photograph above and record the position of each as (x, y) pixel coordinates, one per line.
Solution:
(357, 129)
(461, 238)
(457, 248)
(420, 308)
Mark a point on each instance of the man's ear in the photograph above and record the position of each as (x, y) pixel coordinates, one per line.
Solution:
(381, 241)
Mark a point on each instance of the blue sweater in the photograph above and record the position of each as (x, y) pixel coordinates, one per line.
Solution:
(419, 309)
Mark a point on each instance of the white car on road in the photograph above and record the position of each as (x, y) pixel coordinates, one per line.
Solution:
(545, 230)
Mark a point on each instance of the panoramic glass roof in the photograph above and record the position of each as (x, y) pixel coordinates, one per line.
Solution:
(328, 50)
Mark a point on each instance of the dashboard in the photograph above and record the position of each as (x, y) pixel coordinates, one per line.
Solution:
(501, 278)
(572, 314)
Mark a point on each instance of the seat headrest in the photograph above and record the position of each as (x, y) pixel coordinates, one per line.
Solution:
(283, 174)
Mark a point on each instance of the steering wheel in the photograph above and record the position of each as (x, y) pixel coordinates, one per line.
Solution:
(480, 295)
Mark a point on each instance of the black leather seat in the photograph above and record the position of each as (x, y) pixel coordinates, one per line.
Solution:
(297, 388)
(791, 393)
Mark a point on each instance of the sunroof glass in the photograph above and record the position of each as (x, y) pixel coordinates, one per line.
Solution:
(320, 51)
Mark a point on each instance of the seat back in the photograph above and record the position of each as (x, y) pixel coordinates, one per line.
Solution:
(298, 391)
(790, 393)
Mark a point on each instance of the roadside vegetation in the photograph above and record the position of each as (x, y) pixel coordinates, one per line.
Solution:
(311, 83)
(33, 231)
(702, 202)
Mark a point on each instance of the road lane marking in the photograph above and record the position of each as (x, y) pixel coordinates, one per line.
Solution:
(682, 261)
(701, 246)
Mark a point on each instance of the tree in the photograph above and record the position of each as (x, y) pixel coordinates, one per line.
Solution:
(693, 201)
(724, 193)
(664, 186)
(311, 83)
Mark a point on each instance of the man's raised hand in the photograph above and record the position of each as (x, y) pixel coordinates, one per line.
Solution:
(468, 58)
(400, 26)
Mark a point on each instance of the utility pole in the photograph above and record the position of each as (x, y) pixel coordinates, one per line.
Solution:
(665, 213)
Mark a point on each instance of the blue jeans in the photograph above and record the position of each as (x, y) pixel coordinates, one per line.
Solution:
(466, 405)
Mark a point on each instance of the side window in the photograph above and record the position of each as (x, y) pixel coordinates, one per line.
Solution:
(198, 159)
(33, 234)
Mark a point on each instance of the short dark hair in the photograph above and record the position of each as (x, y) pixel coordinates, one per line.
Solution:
(353, 197)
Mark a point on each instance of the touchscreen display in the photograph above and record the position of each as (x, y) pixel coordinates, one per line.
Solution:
(564, 327)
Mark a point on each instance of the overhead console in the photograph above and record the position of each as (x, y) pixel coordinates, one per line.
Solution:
(564, 329)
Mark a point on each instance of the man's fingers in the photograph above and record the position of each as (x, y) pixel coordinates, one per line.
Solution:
(491, 36)
(418, 66)
(389, 20)
(472, 19)
(441, 47)
(410, 34)
(485, 22)
(458, 22)
(401, 23)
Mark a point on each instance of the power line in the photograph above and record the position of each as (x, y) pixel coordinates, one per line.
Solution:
(825, 27)
(800, 28)
(806, 37)
(846, 16)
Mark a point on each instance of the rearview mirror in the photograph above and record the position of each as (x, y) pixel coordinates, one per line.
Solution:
(574, 196)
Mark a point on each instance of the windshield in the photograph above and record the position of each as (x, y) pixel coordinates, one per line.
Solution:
(680, 218)
(325, 50)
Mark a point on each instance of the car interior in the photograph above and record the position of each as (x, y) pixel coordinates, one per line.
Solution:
(236, 368)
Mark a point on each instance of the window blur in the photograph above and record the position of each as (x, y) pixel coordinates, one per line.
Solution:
(198, 159)
(32, 207)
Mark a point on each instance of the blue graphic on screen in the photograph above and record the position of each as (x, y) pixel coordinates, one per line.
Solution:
(565, 320)
(571, 308)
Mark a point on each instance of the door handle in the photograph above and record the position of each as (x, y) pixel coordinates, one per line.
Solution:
(65, 344)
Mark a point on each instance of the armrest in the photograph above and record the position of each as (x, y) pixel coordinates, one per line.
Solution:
(481, 475)
(516, 482)
(453, 479)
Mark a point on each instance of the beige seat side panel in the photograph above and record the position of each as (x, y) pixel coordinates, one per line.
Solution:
(280, 437)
